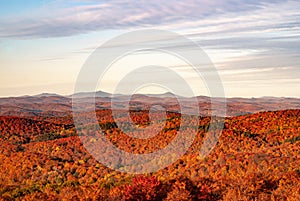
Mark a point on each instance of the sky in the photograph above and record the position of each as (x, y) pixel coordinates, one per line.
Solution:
(255, 46)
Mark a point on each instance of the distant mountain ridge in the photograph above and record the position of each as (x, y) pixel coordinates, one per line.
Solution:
(91, 94)
(57, 105)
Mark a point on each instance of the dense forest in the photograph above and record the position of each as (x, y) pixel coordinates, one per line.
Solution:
(257, 157)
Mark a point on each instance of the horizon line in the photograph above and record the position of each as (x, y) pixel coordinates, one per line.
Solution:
(48, 94)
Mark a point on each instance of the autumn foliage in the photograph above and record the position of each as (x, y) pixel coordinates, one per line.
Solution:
(257, 157)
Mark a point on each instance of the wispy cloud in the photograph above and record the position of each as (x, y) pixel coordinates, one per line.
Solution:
(58, 20)
(250, 42)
